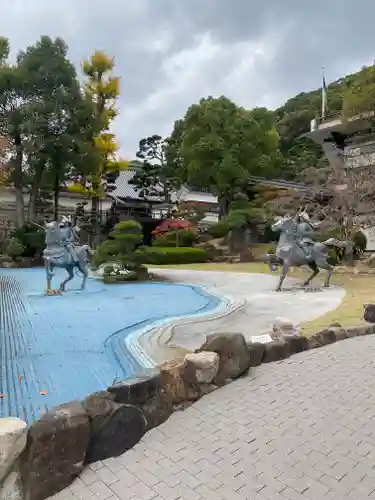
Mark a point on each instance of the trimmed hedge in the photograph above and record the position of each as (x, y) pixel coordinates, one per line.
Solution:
(169, 255)
(219, 230)
(175, 239)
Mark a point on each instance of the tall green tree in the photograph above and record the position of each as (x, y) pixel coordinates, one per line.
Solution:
(45, 116)
(14, 99)
(218, 145)
(56, 118)
(152, 178)
(102, 88)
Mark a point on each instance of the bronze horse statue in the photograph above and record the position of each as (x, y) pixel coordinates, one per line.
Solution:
(61, 252)
(297, 248)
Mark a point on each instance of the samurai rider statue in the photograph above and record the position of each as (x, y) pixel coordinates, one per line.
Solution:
(296, 247)
(305, 231)
(68, 235)
(61, 252)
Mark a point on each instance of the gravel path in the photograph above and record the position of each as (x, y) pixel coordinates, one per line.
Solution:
(258, 306)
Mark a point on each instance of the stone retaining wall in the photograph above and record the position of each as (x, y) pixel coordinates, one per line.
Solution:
(41, 460)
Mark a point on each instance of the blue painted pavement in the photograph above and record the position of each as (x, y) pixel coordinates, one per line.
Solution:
(57, 349)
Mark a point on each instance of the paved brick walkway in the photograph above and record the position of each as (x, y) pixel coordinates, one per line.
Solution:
(303, 428)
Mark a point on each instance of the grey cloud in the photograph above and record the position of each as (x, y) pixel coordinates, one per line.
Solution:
(151, 39)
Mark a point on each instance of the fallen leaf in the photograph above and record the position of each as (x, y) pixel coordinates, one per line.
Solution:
(43, 393)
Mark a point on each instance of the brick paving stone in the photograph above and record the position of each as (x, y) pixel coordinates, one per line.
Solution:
(302, 429)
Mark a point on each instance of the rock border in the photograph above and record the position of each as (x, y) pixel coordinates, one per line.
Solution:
(106, 424)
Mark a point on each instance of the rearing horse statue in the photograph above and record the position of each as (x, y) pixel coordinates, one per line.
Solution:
(297, 248)
(61, 251)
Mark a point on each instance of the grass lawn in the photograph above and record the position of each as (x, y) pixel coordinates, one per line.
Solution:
(359, 291)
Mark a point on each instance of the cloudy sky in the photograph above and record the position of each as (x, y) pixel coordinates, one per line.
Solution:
(170, 53)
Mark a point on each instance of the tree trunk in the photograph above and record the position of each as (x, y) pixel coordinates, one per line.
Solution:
(56, 196)
(35, 189)
(223, 206)
(94, 221)
(17, 179)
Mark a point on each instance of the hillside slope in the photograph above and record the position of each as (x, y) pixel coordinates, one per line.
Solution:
(294, 117)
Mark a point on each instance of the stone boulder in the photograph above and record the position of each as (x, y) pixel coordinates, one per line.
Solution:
(145, 391)
(339, 331)
(233, 352)
(13, 437)
(176, 382)
(137, 390)
(99, 407)
(11, 488)
(201, 367)
(340, 334)
(256, 352)
(157, 409)
(276, 351)
(358, 331)
(296, 344)
(56, 450)
(115, 428)
(325, 337)
(284, 328)
(369, 314)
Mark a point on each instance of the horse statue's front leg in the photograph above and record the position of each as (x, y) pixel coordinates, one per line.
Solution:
(284, 273)
(70, 271)
(49, 276)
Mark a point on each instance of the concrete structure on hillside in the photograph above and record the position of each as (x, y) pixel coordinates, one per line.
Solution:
(347, 144)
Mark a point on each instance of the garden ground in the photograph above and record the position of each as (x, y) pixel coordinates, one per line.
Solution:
(302, 428)
(360, 289)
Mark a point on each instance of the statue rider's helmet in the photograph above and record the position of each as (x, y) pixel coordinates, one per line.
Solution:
(65, 221)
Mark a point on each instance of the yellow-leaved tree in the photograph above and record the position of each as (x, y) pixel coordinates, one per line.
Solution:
(102, 87)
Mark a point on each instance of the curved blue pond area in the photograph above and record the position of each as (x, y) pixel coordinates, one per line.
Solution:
(57, 349)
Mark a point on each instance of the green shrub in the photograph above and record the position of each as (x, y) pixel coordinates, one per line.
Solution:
(164, 241)
(32, 238)
(176, 239)
(167, 255)
(121, 244)
(219, 230)
(360, 242)
(106, 252)
(14, 249)
(127, 235)
(120, 278)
